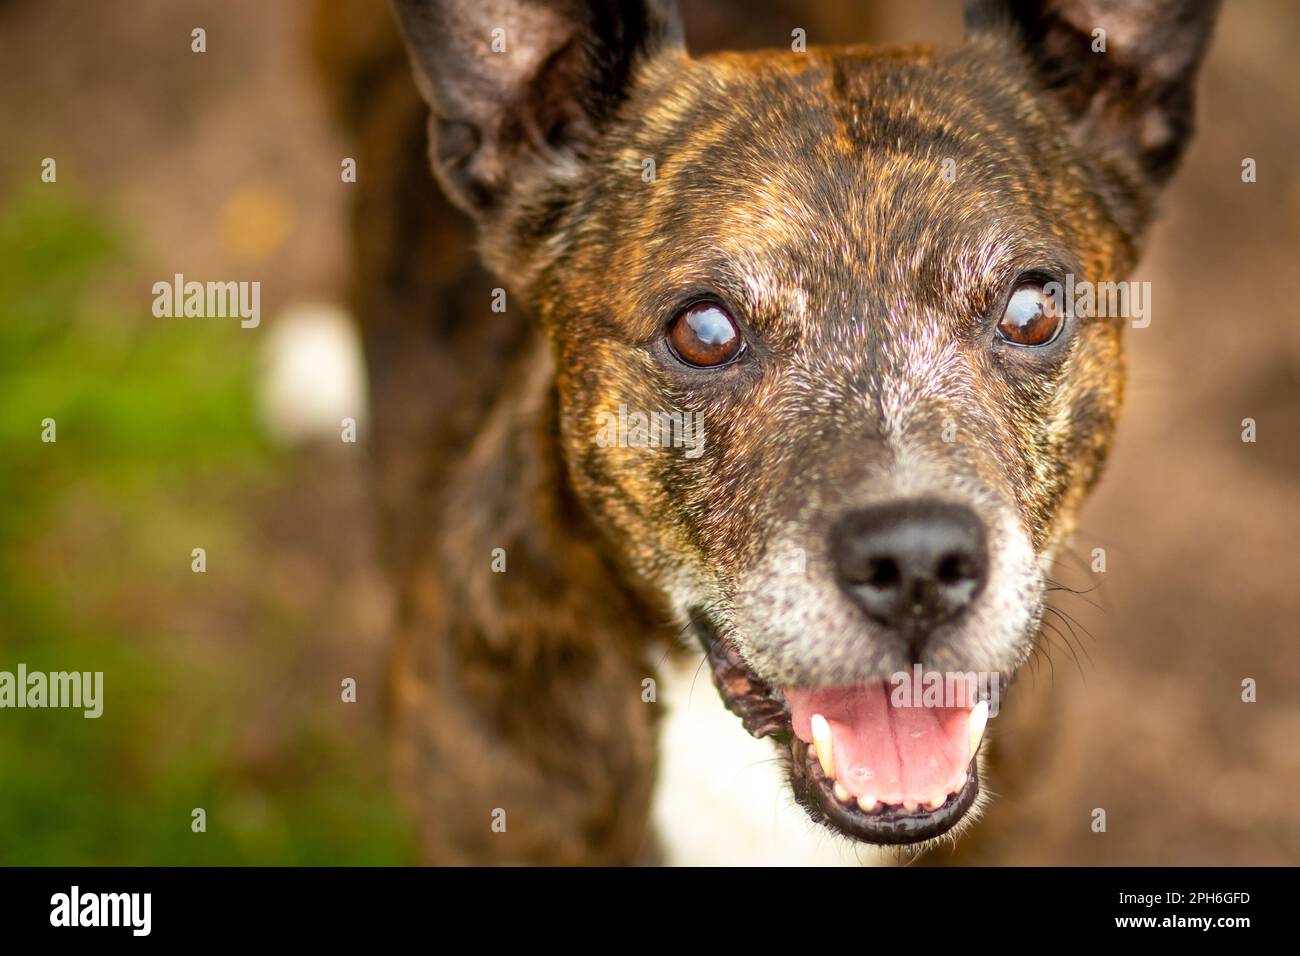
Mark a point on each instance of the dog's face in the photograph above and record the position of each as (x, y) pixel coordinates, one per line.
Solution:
(815, 377)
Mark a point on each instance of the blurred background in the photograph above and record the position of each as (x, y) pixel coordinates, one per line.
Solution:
(223, 689)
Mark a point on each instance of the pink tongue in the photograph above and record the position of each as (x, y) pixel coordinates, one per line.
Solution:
(895, 754)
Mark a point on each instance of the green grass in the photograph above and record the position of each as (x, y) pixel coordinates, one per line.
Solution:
(156, 432)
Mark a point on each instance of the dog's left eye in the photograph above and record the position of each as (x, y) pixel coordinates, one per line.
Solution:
(705, 336)
(1031, 317)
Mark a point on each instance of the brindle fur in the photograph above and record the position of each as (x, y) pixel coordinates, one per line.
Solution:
(806, 190)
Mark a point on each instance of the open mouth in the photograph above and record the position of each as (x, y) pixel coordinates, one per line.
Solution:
(878, 773)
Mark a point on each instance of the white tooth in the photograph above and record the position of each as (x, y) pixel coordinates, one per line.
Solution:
(842, 795)
(821, 732)
(936, 801)
(910, 806)
(867, 803)
(979, 718)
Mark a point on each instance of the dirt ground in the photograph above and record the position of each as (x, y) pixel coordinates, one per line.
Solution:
(228, 161)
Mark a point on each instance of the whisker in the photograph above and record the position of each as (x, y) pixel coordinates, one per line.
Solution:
(1069, 647)
(1070, 621)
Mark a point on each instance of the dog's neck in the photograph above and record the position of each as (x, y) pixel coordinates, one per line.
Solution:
(512, 506)
(533, 670)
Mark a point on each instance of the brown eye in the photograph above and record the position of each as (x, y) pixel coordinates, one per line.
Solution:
(1031, 316)
(705, 336)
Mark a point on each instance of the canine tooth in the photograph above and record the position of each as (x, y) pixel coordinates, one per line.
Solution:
(867, 803)
(842, 795)
(821, 732)
(979, 718)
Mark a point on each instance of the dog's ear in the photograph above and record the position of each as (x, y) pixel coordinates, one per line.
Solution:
(1123, 69)
(520, 89)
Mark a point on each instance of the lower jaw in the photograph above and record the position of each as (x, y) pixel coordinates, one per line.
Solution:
(888, 825)
(765, 712)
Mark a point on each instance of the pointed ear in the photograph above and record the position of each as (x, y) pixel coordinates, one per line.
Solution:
(520, 89)
(1123, 69)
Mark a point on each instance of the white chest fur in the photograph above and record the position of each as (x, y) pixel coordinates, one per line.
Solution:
(722, 798)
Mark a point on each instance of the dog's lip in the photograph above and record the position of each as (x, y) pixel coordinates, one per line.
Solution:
(879, 751)
(765, 712)
(888, 825)
(763, 709)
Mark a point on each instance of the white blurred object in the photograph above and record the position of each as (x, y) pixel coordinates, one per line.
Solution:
(312, 375)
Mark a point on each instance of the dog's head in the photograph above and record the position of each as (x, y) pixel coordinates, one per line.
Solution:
(817, 376)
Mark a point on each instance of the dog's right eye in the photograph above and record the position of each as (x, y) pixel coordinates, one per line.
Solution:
(705, 336)
(1030, 318)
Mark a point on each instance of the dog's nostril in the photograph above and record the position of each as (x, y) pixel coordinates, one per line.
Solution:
(883, 573)
(954, 569)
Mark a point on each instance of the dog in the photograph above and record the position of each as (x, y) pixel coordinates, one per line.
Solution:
(844, 264)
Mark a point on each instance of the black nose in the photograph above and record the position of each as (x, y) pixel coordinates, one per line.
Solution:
(911, 564)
